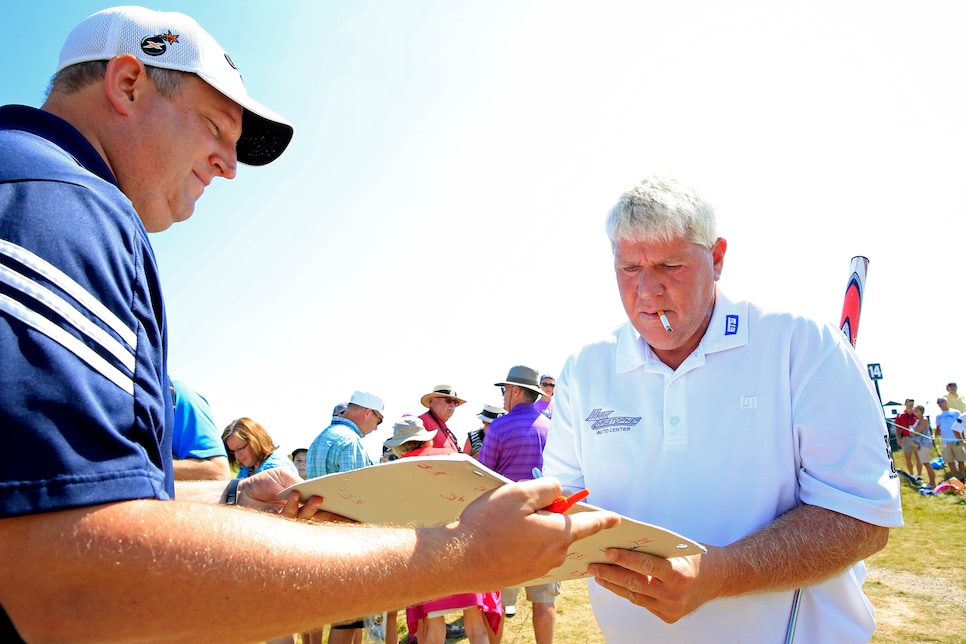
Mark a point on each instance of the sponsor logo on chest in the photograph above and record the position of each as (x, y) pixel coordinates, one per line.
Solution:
(601, 422)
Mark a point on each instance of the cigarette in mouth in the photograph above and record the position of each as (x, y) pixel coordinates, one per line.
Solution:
(667, 325)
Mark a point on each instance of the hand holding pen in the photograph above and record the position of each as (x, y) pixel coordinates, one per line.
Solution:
(563, 503)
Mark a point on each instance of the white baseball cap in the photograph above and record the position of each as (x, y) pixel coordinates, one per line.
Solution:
(367, 400)
(175, 41)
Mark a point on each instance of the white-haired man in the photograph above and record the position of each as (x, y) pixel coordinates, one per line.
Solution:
(756, 433)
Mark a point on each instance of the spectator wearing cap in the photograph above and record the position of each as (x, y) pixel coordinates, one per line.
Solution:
(514, 448)
(954, 400)
(545, 403)
(427, 620)
(474, 439)
(951, 433)
(411, 438)
(339, 448)
(441, 402)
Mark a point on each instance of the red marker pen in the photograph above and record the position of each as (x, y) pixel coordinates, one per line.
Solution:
(564, 503)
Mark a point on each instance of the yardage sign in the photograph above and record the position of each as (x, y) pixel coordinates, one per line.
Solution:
(875, 371)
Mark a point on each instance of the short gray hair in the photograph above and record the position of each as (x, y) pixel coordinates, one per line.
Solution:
(661, 208)
(76, 77)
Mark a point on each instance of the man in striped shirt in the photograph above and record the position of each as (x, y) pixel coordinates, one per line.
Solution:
(514, 448)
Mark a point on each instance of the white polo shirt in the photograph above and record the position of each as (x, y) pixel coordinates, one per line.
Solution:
(769, 410)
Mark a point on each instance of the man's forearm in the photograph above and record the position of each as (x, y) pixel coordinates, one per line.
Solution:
(803, 547)
(200, 491)
(202, 469)
(149, 569)
(110, 569)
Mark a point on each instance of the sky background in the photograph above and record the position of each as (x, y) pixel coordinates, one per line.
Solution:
(439, 215)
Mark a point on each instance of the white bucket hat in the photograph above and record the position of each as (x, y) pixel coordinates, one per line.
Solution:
(171, 40)
(490, 413)
(409, 429)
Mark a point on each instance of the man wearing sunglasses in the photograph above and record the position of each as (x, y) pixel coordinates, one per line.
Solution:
(441, 402)
(545, 403)
(339, 448)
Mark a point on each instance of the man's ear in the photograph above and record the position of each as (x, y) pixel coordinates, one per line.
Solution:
(717, 256)
(124, 82)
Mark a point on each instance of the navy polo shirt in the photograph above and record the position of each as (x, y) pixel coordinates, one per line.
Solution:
(84, 399)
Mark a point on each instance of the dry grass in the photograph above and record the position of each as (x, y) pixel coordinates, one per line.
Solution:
(575, 619)
(917, 583)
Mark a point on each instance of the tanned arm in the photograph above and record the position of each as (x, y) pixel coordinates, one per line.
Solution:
(168, 570)
(805, 546)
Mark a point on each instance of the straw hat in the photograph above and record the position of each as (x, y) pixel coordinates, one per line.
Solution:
(441, 391)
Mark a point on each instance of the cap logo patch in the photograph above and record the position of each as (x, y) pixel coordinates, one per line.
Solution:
(158, 44)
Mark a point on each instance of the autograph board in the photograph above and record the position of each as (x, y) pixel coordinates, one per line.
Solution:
(433, 490)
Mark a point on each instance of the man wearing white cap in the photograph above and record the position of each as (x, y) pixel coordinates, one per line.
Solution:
(339, 448)
(145, 110)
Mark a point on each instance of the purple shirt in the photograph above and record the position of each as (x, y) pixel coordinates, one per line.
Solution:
(514, 443)
(545, 407)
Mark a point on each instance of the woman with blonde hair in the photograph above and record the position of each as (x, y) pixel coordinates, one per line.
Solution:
(251, 449)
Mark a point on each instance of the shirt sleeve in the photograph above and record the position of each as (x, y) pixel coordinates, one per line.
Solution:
(194, 434)
(855, 477)
(560, 453)
(489, 451)
(84, 398)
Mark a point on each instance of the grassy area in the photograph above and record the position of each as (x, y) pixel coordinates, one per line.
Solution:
(917, 583)
(575, 619)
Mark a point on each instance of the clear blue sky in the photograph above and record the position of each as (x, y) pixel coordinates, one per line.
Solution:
(438, 218)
